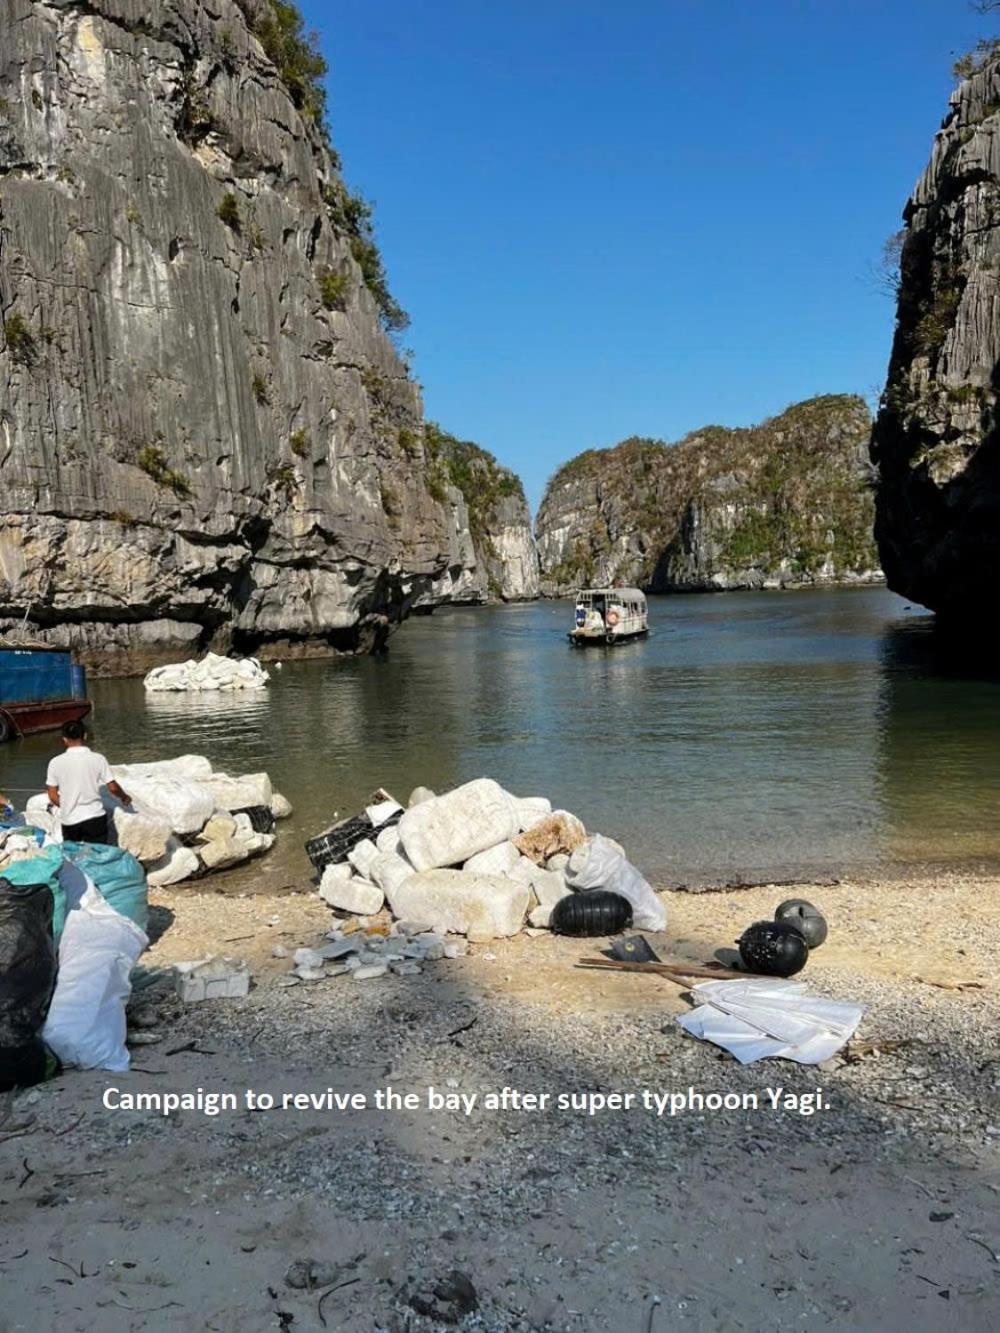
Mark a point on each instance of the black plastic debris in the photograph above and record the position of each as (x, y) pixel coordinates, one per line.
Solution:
(634, 949)
(27, 979)
(333, 846)
(260, 816)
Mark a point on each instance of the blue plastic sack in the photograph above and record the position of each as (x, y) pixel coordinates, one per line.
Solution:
(117, 874)
(42, 869)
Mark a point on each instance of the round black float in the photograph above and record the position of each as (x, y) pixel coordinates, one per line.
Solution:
(597, 913)
(774, 948)
(809, 921)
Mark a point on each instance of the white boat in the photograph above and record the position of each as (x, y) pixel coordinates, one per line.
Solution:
(609, 616)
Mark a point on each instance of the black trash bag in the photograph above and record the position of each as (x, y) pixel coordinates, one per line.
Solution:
(24, 1066)
(27, 977)
(598, 912)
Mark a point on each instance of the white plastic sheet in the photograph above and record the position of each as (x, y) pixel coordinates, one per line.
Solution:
(599, 865)
(769, 1016)
(86, 1022)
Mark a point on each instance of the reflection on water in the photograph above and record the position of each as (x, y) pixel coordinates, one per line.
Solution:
(939, 771)
(752, 734)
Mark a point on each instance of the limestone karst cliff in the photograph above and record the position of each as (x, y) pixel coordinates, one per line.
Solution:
(783, 503)
(206, 434)
(504, 560)
(936, 441)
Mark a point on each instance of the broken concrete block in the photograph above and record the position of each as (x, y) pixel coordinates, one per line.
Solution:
(340, 949)
(451, 828)
(145, 836)
(558, 832)
(308, 958)
(389, 869)
(214, 978)
(499, 860)
(219, 828)
(178, 863)
(281, 806)
(405, 967)
(388, 839)
(239, 792)
(418, 795)
(411, 928)
(370, 971)
(531, 810)
(221, 853)
(548, 886)
(310, 973)
(460, 901)
(362, 855)
(340, 870)
(351, 895)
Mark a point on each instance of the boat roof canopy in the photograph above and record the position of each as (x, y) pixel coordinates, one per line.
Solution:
(612, 592)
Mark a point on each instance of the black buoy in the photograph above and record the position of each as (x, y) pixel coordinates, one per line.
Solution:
(808, 920)
(599, 912)
(774, 948)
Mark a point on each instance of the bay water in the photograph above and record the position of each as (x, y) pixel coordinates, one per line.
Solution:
(752, 736)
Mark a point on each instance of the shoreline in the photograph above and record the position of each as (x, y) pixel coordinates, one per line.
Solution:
(876, 1211)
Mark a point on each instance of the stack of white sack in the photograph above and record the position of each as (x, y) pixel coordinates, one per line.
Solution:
(211, 673)
(480, 862)
(185, 818)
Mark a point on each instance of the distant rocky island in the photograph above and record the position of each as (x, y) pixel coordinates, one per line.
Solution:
(785, 503)
(936, 442)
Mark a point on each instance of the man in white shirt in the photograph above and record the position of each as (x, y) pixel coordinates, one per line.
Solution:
(74, 782)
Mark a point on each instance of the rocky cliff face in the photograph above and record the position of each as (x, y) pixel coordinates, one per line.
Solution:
(206, 436)
(936, 441)
(783, 503)
(502, 563)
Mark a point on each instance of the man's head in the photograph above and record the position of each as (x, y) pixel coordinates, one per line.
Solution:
(74, 733)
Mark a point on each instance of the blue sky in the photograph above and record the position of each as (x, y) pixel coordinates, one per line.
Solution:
(639, 217)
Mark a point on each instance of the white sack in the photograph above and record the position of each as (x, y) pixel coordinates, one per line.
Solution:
(597, 865)
(185, 805)
(184, 766)
(97, 951)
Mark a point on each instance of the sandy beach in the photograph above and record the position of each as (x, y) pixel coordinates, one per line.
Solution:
(877, 1212)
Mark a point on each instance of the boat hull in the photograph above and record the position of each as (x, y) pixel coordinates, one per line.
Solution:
(604, 640)
(28, 718)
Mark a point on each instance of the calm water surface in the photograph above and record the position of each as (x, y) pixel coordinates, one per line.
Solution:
(752, 735)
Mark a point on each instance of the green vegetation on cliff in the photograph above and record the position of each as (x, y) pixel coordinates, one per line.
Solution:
(475, 472)
(788, 499)
(301, 66)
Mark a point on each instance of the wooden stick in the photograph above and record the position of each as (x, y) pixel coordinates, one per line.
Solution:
(669, 970)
